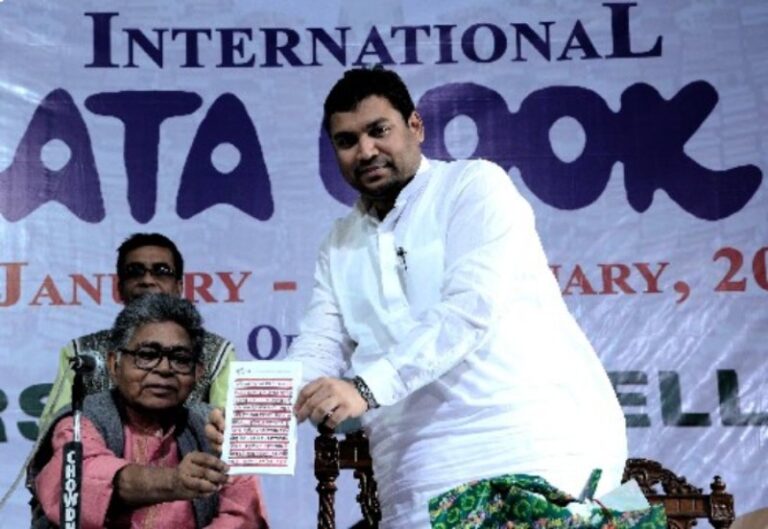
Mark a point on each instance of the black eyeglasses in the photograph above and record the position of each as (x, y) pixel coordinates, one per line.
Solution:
(148, 357)
(138, 270)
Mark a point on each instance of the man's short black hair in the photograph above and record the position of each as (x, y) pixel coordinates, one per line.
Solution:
(139, 240)
(359, 83)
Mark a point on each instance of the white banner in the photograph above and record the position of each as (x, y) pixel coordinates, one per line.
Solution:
(636, 130)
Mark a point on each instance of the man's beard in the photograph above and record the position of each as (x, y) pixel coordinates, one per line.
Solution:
(389, 189)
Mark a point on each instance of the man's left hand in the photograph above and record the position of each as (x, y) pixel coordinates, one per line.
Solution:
(330, 401)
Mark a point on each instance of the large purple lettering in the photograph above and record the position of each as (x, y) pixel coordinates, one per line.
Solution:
(142, 113)
(27, 184)
(654, 157)
(247, 186)
(564, 185)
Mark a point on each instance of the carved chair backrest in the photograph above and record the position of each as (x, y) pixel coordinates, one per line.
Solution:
(683, 503)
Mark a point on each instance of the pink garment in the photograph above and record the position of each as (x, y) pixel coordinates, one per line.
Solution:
(240, 500)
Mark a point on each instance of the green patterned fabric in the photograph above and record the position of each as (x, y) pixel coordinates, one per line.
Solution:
(520, 501)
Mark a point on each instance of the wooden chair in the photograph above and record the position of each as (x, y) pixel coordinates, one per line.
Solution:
(683, 503)
(332, 455)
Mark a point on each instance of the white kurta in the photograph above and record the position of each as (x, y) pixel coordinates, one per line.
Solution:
(449, 312)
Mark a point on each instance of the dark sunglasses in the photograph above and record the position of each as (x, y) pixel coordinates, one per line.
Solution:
(148, 357)
(138, 270)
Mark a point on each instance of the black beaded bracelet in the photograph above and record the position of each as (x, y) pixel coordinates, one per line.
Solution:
(365, 392)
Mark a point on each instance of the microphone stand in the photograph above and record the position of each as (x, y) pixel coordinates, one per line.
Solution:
(72, 464)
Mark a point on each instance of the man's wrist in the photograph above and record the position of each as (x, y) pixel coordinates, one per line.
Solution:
(365, 392)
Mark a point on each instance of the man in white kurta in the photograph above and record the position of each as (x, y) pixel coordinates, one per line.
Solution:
(443, 305)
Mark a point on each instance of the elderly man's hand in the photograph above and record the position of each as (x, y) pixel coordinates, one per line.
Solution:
(214, 430)
(329, 400)
(198, 475)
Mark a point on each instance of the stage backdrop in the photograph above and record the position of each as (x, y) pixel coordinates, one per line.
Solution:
(637, 130)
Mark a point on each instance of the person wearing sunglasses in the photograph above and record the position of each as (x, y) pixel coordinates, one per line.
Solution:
(145, 456)
(146, 263)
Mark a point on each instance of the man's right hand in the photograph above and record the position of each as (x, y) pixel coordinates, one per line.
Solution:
(199, 475)
(214, 430)
(330, 401)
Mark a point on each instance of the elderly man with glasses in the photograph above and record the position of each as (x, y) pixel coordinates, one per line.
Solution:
(146, 263)
(145, 460)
